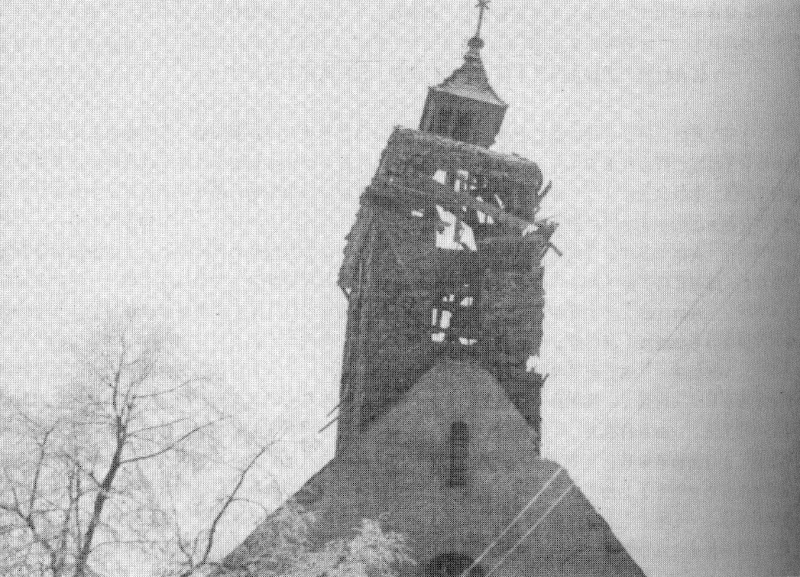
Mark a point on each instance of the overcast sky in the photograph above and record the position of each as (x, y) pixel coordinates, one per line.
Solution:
(204, 160)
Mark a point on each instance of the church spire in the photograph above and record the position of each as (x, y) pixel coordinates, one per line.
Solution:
(483, 6)
(476, 42)
(465, 107)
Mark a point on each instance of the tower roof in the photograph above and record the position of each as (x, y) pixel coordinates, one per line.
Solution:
(470, 80)
(465, 107)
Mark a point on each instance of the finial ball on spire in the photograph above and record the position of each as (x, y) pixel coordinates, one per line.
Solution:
(476, 42)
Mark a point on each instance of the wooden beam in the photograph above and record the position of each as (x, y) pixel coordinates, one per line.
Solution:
(435, 192)
(332, 421)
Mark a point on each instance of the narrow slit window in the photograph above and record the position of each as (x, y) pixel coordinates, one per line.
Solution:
(459, 452)
(443, 122)
(462, 129)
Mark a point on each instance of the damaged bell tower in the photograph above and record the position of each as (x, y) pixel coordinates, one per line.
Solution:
(445, 256)
(439, 413)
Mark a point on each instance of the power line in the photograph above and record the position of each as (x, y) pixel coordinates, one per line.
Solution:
(759, 255)
(513, 522)
(527, 533)
(719, 272)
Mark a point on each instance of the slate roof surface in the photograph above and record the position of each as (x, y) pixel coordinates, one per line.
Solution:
(470, 81)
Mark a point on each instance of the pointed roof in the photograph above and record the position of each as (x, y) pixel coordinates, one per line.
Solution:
(470, 80)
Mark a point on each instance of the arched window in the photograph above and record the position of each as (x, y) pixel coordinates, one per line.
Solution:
(459, 453)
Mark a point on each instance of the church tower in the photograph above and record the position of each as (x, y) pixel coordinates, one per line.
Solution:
(444, 260)
(438, 426)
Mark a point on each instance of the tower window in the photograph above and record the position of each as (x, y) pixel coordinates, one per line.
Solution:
(459, 452)
(443, 121)
(462, 129)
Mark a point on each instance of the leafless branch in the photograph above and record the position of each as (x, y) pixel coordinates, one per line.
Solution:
(186, 383)
(172, 445)
(117, 542)
(80, 466)
(230, 499)
(158, 426)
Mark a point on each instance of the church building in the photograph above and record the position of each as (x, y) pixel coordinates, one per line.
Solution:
(438, 428)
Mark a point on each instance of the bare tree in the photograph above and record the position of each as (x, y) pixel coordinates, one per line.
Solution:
(191, 554)
(83, 476)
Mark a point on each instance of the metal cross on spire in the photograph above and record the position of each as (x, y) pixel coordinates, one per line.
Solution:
(483, 6)
(476, 42)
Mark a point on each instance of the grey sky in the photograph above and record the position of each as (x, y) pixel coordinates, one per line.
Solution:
(205, 159)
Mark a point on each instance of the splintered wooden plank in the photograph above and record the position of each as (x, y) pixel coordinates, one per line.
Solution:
(427, 189)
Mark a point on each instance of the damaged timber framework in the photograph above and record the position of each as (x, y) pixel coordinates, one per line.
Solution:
(444, 259)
